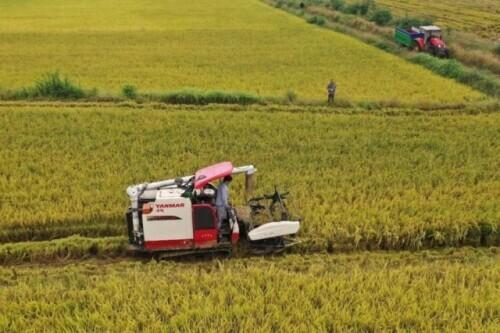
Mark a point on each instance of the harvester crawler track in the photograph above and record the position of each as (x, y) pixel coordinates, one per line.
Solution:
(269, 246)
(222, 250)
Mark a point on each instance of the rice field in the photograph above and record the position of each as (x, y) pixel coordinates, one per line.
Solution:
(361, 178)
(452, 290)
(166, 45)
(365, 181)
(481, 17)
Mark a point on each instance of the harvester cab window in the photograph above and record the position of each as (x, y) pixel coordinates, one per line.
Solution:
(204, 217)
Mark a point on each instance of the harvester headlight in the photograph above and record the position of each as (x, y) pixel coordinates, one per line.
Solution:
(147, 208)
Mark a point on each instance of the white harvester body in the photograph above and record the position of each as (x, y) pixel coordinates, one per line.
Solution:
(171, 217)
(180, 214)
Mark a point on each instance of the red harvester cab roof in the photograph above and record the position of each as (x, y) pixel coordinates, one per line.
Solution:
(204, 176)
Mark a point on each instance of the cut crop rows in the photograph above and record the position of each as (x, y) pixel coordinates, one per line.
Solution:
(480, 16)
(452, 290)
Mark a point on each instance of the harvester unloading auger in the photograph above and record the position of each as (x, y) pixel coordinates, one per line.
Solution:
(178, 216)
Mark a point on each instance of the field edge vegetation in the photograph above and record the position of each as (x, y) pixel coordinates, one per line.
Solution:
(53, 87)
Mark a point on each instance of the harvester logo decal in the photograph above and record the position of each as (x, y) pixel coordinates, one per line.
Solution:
(160, 208)
(169, 205)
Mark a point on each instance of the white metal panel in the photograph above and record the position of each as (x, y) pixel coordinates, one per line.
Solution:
(248, 169)
(274, 229)
(169, 193)
(156, 228)
(430, 28)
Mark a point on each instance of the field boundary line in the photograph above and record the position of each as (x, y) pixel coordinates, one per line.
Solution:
(491, 106)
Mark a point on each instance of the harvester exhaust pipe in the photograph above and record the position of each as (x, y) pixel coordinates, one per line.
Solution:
(249, 171)
(249, 184)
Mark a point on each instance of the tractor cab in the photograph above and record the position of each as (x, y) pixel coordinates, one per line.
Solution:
(433, 41)
(431, 32)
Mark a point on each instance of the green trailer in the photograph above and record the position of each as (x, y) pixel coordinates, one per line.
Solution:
(408, 37)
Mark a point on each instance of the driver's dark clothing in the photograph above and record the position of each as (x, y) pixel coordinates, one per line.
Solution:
(331, 91)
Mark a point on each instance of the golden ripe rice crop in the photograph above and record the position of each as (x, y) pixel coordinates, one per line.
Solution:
(479, 16)
(161, 45)
(454, 292)
(359, 180)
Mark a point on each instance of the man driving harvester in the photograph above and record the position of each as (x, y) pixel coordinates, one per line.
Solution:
(222, 200)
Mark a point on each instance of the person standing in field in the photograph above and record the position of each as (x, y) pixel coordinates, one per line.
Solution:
(331, 91)
(222, 200)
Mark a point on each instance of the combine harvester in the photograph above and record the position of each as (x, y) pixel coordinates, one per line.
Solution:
(178, 217)
(423, 39)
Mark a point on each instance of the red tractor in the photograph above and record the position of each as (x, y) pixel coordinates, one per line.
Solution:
(424, 39)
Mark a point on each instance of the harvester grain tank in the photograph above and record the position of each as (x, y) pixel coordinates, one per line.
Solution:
(178, 216)
(423, 39)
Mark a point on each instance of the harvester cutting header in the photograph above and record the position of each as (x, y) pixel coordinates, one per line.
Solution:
(179, 216)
